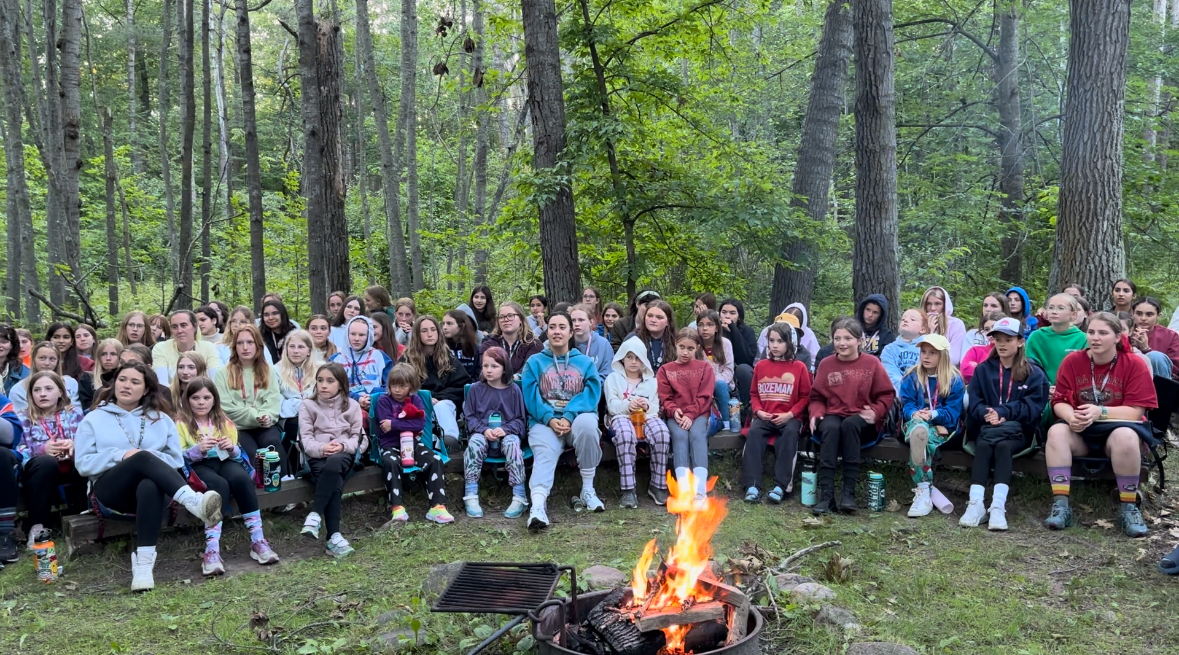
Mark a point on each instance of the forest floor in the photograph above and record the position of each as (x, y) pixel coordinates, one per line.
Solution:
(926, 583)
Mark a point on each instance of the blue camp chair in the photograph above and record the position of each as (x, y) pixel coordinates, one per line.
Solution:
(429, 439)
(497, 463)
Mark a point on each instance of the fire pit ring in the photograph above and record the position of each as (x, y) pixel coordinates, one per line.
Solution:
(554, 615)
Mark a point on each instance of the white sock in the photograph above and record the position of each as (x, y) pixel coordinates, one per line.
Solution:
(923, 487)
(701, 474)
(976, 492)
(183, 494)
(539, 498)
(681, 477)
(145, 550)
(999, 496)
(587, 479)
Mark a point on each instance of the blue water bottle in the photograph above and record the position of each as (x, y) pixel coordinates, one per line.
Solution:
(495, 448)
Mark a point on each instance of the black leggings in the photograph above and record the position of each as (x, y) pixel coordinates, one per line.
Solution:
(842, 436)
(230, 480)
(9, 491)
(785, 448)
(140, 485)
(328, 474)
(432, 474)
(742, 377)
(251, 440)
(1002, 453)
(42, 475)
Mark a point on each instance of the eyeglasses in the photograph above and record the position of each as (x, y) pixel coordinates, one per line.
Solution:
(507, 317)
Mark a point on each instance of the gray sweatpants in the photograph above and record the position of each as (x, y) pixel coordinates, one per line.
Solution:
(689, 448)
(547, 447)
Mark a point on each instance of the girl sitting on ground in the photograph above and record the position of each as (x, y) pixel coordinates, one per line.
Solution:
(931, 396)
(632, 405)
(129, 447)
(331, 429)
(249, 391)
(494, 411)
(779, 394)
(978, 354)
(463, 340)
(719, 352)
(686, 385)
(45, 358)
(1008, 394)
(211, 452)
(50, 425)
(401, 417)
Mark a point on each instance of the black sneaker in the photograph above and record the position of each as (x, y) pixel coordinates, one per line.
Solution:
(826, 502)
(847, 500)
(8, 550)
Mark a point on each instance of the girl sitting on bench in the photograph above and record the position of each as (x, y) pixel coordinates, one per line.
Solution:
(779, 394)
(401, 417)
(495, 399)
(50, 424)
(931, 396)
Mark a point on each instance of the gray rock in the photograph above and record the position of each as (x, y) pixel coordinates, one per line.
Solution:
(811, 592)
(392, 642)
(879, 648)
(788, 581)
(836, 617)
(603, 577)
(439, 577)
(391, 616)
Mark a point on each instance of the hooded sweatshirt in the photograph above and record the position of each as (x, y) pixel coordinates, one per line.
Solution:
(1022, 401)
(955, 328)
(843, 388)
(108, 432)
(390, 410)
(686, 387)
(1048, 348)
(780, 386)
(619, 391)
(809, 340)
(970, 361)
(483, 400)
(321, 423)
(945, 411)
(876, 336)
(898, 357)
(246, 405)
(19, 394)
(1029, 321)
(560, 386)
(164, 357)
(368, 368)
(598, 349)
(745, 344)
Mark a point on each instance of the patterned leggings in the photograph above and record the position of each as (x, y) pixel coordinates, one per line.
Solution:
(476, 454)
(917, 431)
(432, 473)
(625, 442)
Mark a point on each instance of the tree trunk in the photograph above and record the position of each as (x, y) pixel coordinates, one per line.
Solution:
(409, 120)
(187, 128)
(816, 156)
(112, 234)
(22, 255)
(400, 280)
(482, 118)
(546, 103)
(164, 103)
(71, 123)
(1089, 242)
(50, 143)
(336, 248)
(132, 97)
(875, 265)
(206, 152)
(224, 151)
(253, 167)
(1010, 142)
(312, 178)
(362, 170)
(462, 178)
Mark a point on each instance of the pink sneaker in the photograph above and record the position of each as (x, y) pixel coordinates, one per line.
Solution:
(262, 553)
(211, 563)
(438, 514)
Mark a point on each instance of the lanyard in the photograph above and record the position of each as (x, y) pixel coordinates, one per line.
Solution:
(1010, 382)
(299, 379)
(142, 427)
(932, 396)
(60, 434)
(1098, 393)
(561, 370)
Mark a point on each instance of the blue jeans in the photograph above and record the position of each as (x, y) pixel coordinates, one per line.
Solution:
(721, 395)
(1160, 364)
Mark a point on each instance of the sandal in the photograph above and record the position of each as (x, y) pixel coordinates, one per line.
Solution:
(1169, 564)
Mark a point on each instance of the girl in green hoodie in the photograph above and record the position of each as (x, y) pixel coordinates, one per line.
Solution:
(1049, 347)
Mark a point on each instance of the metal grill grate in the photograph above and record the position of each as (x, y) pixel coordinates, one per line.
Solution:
(499, 588)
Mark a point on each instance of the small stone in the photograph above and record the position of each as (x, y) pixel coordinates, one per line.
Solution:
(879, 648)
(603, 577)
(836, 617)
(392, 642)
(904, 528)
(810, 592)
(439, 577)
(390, 617)
(788, 581)
(1108, 616)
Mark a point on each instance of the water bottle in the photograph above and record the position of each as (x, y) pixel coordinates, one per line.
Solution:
(45, 559)
(638, 419)
(810, 479)
(735, 415)
(875, 491)
(407, 449)
(495, 448)
(271, 471)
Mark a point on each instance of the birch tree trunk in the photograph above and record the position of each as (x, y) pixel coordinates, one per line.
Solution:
(21, 250)
(132, 97)
(206, 151)
(224, 151)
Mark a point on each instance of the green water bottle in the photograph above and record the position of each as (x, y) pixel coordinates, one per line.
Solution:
(272, 470)
(876, 491)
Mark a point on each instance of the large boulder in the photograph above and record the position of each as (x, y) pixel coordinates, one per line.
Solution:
(603, 577)
(811, 592)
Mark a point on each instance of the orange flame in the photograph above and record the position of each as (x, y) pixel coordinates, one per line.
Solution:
(686, 560)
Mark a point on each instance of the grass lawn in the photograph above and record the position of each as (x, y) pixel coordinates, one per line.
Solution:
(926, 583)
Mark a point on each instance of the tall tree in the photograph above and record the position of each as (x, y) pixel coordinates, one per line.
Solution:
(546, 104)
(1089, 247)
(132, 98)
(816, 155)
(1010, 139)
(112, 234)
(224, 151)
(187, 128)
(22, 255)
(408, 130)
(206, 151)
(71, 123)
(49, 141)
(329, 71)
(399, 275)
(875, 256)
(253, 166)
(482, 119)
(163, 107)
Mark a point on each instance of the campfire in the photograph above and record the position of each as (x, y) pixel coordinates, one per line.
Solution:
(680, 607)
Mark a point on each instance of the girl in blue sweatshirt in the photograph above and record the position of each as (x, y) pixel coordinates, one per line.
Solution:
(931, 396)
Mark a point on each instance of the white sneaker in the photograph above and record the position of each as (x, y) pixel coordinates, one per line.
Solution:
(471, 503)
(974, 514)
(538, 518)
(725, 426)
(998, 520)
(700, 502)
(33, 532)
(311, 526)
(141, 568)
(591, 500)
(922, 503)
(206, 506)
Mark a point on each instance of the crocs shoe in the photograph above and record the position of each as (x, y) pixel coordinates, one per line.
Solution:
(471, 504)
(438, 514)
(516, 509)
(1061, 516)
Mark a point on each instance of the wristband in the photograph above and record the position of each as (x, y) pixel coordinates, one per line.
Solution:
(1104, 412)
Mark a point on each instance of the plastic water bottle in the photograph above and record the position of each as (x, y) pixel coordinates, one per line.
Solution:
(809, 489)
(407, 449)
(735, 415)
(272, 471)
(45, 559)
(876, 491)
(495, 448)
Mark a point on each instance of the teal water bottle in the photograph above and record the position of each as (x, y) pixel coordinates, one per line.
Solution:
(495, 448)
(272, 470)
(808, 494)
(876, 491)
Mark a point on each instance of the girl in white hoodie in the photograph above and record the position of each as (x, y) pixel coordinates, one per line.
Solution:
(129, 447)
(632, 400)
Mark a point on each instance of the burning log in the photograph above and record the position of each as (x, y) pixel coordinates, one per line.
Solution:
(616, 626)
(673, 616)
(738, 603)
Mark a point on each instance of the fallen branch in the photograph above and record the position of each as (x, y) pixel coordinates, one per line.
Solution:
(803, 553)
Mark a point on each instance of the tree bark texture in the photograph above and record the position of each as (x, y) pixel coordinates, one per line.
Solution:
(22, 254)
(546, 104)
(206, 151)
(399, 275)
(224, 151)
(51, 144)
(132, 97)
(312, 178)
(187, 129)
(816, 156)
(1089, 243)
(875, 257)
(1010, 142)
(112, 233)
(409, 81)
(482, 119)
(336, 248)
(253, 167)
(163, 108)
(71, 123)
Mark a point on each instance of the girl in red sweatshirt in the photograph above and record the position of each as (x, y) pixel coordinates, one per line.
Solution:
(849, 401)
(685, 397)
(778, 396)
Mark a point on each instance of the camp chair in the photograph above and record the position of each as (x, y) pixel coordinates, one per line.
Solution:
(429, 438)
(1154, 450)
(498, 468)
(357, 460)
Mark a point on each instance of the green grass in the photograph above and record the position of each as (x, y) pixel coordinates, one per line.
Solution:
(927, 583)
